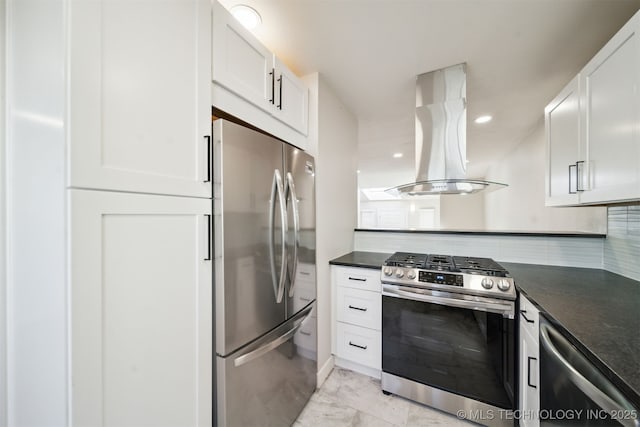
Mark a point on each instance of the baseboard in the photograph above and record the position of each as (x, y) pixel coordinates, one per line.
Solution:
(356, 367)
(324, 372)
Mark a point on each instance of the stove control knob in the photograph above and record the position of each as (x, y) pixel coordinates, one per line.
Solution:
(487, 283)
(399, 273)
(388, 271)
(411, 274)
(504, 285)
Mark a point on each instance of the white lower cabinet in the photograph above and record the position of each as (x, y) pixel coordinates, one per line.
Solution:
(140, 310)
(529, 400)
(358, 319)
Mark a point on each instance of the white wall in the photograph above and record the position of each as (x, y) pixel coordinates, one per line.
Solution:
(3, 269)
(334, 138)
(37, 340)
(466, 212)
(521, 205)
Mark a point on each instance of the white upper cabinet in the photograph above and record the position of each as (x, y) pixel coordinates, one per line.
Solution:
(603, 101)
(562, 126)
(611, 118)
(241, 63)
(292, 98)
(252, 84)
(140, 97)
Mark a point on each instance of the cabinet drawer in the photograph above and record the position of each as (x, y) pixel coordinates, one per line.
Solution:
(306, 336)
(306, 273)
(358, 307)
(302, 297)
(359, 345)
(358, 278)
(529, 316)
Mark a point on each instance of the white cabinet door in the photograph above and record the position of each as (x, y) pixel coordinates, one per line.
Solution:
(529, 396)
(140, 96)
(562, 126)
(240, 62)
(141, 310)
(611, 118)
(292, 98)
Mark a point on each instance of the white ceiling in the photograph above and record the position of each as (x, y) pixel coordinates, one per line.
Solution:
(519, 54)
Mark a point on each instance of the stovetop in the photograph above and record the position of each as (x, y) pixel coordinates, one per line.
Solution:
(455, 264)
(460, 274)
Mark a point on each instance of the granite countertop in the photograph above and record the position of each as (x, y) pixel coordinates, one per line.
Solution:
(372, 260)
(597, 310)
(489, 232)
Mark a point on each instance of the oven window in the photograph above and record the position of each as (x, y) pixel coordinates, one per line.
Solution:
(462, 351)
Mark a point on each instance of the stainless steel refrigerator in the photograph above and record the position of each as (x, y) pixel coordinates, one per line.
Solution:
(265, 281)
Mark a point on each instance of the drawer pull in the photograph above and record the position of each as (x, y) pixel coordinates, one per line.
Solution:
(357, 308)
(529, 359)
(304, 299)
(304, 273)
(305, 333)
(357, 279)
(362, 347)
(522, 312)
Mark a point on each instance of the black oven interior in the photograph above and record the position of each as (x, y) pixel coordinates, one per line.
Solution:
(462, 351)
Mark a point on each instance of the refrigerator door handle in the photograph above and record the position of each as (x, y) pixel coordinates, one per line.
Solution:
(290, 192)
(278, 281)
(297, 322)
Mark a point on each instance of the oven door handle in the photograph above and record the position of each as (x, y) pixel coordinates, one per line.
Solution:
(506, 309)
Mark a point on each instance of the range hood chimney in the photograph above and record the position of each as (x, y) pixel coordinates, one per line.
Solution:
(441, 137)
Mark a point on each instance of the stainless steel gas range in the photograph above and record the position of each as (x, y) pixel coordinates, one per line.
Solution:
(448, 334)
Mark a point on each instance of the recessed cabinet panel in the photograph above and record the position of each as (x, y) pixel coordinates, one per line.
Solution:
(612, 119)
(141, 328)
(140, 98)
(529, 396)
(292, 98)
(562, 123)
(240, 62)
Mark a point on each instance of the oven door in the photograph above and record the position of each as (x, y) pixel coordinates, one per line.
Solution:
(458, 343)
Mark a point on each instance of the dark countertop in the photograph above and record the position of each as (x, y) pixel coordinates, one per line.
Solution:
(490, 233)
(597, 310)
(372, 260)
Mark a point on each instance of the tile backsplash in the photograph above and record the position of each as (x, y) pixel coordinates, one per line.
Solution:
(622, 245)
(619, 252)
(547, 250)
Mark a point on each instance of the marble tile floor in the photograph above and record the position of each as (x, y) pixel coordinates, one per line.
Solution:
(349, 399)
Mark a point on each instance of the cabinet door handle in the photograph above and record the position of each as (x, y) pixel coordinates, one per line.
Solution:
(362, 347)
(357, 279)
(304, 333)
(529, 359)
(273, 86)
(280, 89)
(208, 139)
(208, 258)
(573, 166)
(357, 308)
(522, 313)
(578, 168)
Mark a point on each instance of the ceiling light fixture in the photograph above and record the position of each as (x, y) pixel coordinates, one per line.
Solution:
(246, 15)
(397, 155)
(483, 119)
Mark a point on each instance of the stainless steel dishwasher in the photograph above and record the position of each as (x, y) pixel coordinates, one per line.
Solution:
(575, 392)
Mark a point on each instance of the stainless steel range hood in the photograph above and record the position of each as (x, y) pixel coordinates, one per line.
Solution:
(441, 137)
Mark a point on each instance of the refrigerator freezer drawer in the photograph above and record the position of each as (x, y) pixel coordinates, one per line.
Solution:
(269, 381)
